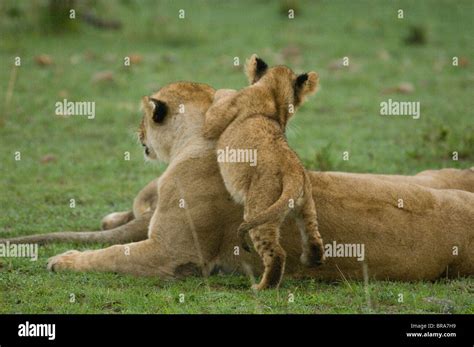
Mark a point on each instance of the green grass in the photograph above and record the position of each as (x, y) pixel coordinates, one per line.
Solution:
(28, 288)
(344, 116)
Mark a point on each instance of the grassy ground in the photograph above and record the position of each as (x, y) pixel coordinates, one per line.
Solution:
(64, 158)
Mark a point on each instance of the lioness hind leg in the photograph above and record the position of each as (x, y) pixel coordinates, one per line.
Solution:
(116, 219)
(265, 239)
(311, 240)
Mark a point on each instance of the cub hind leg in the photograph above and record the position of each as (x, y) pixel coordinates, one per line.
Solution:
(266, 236)
(311, 240)
(266, 241)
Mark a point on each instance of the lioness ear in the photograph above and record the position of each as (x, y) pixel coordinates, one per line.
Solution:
(255, 68)
(156, 108)
(305, 85)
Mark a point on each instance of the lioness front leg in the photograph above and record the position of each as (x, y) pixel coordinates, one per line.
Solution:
(139, 258)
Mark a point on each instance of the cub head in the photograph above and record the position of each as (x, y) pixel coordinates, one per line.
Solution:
(171, 117)
(290, 87)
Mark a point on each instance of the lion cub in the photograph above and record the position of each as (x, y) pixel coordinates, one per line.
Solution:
(254, 119)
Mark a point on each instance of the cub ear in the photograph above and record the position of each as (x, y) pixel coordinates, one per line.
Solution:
(157, 109)
(306, 84)
(255, 68)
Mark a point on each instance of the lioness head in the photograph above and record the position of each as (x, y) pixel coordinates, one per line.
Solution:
(171, 116)
(291, 88)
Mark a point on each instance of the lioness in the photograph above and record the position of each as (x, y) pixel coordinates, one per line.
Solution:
(415, 242)
(276, 184)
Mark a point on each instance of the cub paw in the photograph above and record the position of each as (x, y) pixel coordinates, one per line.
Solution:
(264, 285)
(243, 242)
(314, 257)
(258, 287)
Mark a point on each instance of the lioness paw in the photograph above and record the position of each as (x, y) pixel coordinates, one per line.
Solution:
(63, 261)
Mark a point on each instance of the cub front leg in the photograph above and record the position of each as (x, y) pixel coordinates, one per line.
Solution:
(312, 242)
(220, 115)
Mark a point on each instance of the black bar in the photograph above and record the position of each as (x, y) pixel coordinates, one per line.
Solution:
(317, 330)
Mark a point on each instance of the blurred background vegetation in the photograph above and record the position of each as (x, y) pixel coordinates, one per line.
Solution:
(82, 59)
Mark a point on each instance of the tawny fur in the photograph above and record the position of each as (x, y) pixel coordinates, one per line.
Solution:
(402, 244)
(255, 119)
